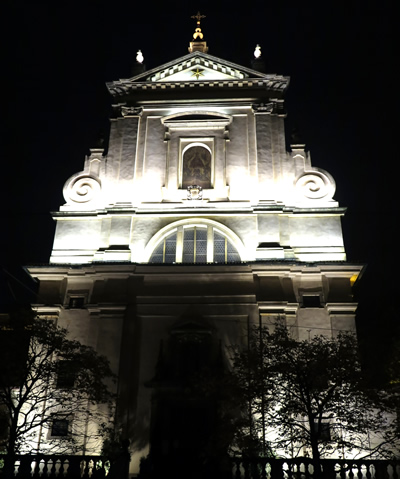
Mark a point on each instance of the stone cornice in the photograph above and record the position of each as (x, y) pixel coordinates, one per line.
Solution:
(213, 208)
(274, 84)
(259, 268)
(341, 308)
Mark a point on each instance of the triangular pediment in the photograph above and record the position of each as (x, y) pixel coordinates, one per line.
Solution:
(197, 66)
(200, 70)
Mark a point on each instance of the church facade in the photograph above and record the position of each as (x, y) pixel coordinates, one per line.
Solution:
(196, 224)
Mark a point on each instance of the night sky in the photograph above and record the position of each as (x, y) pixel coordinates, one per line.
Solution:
(343, 99)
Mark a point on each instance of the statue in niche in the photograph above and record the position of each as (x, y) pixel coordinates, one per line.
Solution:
(196, 167)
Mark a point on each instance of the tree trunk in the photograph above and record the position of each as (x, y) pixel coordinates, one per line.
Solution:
(9, 460)
(316, 458)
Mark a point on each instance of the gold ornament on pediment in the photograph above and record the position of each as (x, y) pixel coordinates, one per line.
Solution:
(197, 73)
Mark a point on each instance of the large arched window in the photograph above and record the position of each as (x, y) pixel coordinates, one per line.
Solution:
(165, 251)
(195, 243)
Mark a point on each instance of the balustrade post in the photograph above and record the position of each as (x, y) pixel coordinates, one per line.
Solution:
(24, 469)
(51, 469)
(381, 471)
(246, 466)
(74, 468)
(328, 468)
(98, 472)
(235, 470)
(36, 470)
(396, 469)
(277, 468)
(224, 470)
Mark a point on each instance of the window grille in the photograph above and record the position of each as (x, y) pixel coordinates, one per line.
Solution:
(199, 244)
(60, 427)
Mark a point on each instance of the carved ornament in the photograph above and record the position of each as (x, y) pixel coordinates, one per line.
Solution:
(315, 184)
(82, 188)
(131, 111)
(263, 107)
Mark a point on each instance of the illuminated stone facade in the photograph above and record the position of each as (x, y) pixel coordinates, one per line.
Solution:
(153, 262)
(200, 116)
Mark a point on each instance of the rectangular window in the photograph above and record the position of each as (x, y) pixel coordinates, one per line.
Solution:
(60, 427)
(77, 302)
(324, 432)
(66, 372)
(311, 301)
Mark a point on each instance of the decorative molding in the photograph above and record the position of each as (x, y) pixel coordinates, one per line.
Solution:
(276, 84)
(187, 119)
(341, 308)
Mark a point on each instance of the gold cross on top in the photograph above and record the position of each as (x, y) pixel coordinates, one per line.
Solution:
(198, 16)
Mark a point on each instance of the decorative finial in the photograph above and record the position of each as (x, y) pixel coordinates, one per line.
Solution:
(139, 57)
(197, 33)
(257, 63)
(198, 44)
(138, 67)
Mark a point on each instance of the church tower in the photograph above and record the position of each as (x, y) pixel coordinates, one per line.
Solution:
(196, 223)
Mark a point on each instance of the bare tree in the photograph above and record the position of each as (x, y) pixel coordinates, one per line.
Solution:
(55, 393)
(310, 397)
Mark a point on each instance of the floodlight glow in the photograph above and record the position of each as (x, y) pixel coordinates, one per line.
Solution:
(139, 57)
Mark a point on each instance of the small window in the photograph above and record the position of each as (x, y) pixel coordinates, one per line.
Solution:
(311, 301)
(65, 374)
(60, 427)
(324, 432)
(77, 302)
